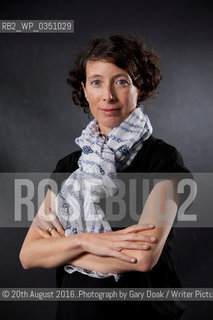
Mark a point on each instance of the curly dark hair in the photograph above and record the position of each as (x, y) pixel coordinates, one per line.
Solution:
(126, 51)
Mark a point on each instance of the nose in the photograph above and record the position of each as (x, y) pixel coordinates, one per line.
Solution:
(108, 93)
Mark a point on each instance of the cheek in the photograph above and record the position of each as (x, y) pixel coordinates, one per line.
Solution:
(133, 96)
(130, 97)
(93, 97)
(93, 100)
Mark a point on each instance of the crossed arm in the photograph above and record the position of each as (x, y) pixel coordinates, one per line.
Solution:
(136, 248)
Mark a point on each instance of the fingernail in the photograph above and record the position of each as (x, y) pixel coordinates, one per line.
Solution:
(153, 239)
(145, 246)
(151, 226)
(48, 210)
(133, 260)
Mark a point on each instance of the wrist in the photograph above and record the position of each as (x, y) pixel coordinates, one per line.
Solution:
(74, 244)
(80, 241)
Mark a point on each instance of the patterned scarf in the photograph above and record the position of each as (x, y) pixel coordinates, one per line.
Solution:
(77, 204)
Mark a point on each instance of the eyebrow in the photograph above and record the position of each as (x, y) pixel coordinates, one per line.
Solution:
(116, 76)
(95, 76)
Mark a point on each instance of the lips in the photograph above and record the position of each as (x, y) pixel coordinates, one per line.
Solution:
(110, 111)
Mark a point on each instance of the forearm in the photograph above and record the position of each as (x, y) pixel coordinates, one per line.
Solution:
(156, 208)
(113, 265)
(49, 253)
(146, 260)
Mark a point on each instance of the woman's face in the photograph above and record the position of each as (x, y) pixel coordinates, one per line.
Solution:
(110, 93)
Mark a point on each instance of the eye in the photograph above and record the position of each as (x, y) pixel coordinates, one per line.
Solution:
(122, 82)
(96, 82)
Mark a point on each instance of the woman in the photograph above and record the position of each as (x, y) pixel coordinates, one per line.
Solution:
(111, 77)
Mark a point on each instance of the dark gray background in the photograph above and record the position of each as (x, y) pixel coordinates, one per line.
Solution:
(38, 121)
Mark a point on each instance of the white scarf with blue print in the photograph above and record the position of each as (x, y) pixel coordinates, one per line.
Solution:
(77, 204)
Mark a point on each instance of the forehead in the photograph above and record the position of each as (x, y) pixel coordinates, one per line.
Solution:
(103, 68)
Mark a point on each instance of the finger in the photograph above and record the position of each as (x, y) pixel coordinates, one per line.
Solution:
(56, 224)
(45, 224)
(124, 257)
(59, 227)
(134, 237)
(41, 219)
(140, 237)
(41, 223)
(138, 227)
(55, 234)
(132, 245)
(50, 214)
(47, 215)
(134, 228)
(43, 233)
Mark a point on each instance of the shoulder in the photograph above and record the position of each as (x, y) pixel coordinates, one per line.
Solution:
(68, 163)
(158, 146)
(156, 155)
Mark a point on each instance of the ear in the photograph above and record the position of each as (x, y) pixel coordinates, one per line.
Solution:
(84, 88)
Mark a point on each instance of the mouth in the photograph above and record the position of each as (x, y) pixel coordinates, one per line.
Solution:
(111, 111)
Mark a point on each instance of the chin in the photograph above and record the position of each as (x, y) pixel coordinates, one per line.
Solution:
(112, 121)
(112, 124)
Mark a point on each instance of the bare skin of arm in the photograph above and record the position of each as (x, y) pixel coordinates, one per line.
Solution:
(160, 210)
(40, 249)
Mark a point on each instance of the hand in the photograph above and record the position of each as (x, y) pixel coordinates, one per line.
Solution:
(111, 243)
(48, 219)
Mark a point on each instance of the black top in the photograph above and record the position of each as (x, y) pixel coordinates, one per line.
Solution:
(155, 156)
